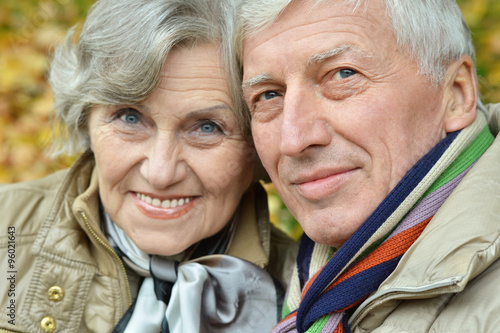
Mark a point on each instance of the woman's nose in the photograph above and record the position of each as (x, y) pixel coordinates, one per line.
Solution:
(163, 164)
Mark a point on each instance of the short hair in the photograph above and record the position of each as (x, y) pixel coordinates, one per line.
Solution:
(433, 32)
(120, 52)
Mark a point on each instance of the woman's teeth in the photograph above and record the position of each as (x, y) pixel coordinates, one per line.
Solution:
(165, 203)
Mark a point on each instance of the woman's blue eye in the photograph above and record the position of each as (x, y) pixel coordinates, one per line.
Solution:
(207, 128)
(130, 118)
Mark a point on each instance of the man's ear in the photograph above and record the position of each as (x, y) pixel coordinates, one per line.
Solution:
(461, 93)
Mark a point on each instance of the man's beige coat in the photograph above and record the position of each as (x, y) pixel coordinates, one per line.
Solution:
(449, 280)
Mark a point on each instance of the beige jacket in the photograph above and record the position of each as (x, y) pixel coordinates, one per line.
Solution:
(449, 280)
(65, 277)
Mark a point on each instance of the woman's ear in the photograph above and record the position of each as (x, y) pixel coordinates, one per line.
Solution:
(461, 89)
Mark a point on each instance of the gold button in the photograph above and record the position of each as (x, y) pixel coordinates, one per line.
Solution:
(55, 293)
(48, 324)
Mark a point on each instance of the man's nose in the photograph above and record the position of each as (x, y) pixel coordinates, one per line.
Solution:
(163, 164)
(303, 124)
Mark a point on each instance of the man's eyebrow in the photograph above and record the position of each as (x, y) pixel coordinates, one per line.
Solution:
(257, 79)
(319, 57)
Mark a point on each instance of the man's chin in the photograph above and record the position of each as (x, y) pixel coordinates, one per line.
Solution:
(326, 236)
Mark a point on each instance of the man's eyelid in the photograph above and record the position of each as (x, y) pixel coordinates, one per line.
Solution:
(252, 95)
(331, 73)
(260, 96)
(339, 72)
(355, 61)
(259, 84)
(257, 92)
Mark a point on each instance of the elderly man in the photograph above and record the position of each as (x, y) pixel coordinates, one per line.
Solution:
(366, 116)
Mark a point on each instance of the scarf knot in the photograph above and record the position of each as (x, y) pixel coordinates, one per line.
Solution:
(213, 293)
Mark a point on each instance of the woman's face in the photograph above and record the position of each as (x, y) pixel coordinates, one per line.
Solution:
(173, 168)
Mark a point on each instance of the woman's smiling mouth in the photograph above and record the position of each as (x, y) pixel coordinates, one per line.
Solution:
(163, 208)
(168, 203)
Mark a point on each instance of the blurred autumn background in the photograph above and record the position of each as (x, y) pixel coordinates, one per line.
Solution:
(29, 29)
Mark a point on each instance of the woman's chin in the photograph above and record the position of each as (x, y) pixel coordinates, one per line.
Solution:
(161, 247)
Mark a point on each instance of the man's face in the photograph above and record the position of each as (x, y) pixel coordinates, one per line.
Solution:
(339, 114)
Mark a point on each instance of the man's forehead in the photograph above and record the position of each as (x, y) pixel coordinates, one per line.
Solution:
(307, 18)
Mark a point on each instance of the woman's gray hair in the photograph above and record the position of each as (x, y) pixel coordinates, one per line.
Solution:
(433, 32)
(120, 51)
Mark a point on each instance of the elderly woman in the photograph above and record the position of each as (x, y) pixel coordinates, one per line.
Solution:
(159, 226)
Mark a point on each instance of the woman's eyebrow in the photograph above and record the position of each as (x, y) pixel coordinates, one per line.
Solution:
(209, 109)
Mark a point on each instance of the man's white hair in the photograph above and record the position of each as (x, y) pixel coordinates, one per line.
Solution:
(433, 32)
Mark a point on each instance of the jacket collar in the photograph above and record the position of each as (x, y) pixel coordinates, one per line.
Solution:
(460, 242)
(251, 240)
(493, 111)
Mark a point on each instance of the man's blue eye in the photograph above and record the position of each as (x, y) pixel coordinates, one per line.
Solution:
(345, 73)
(268, 95)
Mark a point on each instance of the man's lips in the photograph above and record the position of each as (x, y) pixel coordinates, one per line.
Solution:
(321, 183)
(163, 208)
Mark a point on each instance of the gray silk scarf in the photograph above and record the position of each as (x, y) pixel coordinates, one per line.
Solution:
(214, 293)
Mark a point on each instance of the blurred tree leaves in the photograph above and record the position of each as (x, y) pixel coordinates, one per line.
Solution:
(29, 30)
(483, 17)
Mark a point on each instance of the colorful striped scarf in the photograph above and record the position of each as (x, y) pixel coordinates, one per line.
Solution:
(328, 284)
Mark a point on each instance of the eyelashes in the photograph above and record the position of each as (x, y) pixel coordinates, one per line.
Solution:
(198, 131)
(129, 116)
(267, 95)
